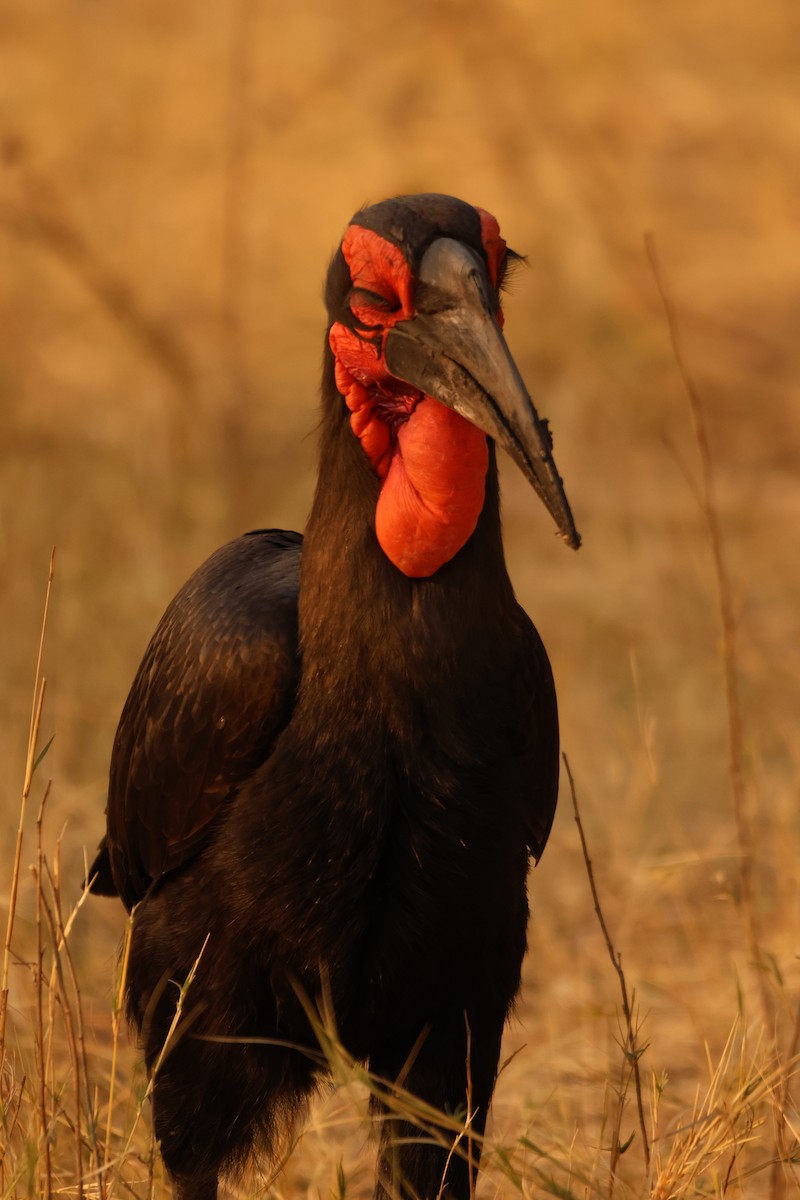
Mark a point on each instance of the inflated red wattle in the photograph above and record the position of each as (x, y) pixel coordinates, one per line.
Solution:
(433, 494)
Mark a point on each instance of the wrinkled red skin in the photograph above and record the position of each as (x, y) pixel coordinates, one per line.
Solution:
(434, 491)
(432, 462)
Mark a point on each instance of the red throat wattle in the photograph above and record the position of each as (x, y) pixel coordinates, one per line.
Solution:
(432, 462)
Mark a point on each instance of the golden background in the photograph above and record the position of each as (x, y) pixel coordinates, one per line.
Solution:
(174, 177)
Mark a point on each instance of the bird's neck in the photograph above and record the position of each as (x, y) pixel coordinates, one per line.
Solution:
(362, 621)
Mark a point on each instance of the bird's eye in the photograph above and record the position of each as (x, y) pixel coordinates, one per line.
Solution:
(371, 308)
(362, 298)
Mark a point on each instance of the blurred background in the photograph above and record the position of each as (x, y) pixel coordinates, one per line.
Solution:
(173, 180)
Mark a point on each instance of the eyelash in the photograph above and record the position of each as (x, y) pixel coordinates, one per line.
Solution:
(510, 265)
(372, 300)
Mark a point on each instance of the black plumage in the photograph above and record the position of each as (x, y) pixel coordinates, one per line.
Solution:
(328, 776)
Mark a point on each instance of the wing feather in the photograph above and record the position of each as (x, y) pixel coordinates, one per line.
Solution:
(215, 688)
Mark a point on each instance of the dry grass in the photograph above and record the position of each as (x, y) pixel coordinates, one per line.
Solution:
(172, 179)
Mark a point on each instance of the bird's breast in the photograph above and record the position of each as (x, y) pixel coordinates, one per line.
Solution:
(366, 874)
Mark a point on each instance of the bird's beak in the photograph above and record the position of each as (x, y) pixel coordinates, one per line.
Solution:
(454, 351)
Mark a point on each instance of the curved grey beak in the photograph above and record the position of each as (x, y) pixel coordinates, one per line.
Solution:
(454, 351)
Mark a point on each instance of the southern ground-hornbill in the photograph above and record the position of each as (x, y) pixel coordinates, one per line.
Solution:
(339, 751)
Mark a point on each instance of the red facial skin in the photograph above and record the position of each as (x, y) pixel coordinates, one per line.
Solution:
(496, 251)
(431, 461)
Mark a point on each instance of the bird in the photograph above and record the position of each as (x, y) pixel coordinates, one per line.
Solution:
(341, 751)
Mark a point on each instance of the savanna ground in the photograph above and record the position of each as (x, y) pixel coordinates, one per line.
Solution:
(173, 178)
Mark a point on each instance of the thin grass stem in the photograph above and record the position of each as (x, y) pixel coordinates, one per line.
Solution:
(30, 766)
(633, 1050)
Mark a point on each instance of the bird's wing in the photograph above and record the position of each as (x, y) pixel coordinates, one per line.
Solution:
(215, 688)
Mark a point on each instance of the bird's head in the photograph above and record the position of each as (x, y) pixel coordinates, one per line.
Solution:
(413, 297)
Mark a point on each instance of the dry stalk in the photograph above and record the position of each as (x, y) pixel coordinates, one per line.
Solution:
(173, 1033)
(467, 1131)
(117, 1009)
(44, 1120)
(708, 504)
(10, 1126)
(151, 1164)
(174, 1030)
(631, 1047)
(63, 930)
(30, 767)
(58, 988)
(616, 1148)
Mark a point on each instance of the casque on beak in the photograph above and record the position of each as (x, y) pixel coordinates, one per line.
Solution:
(454, 351)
